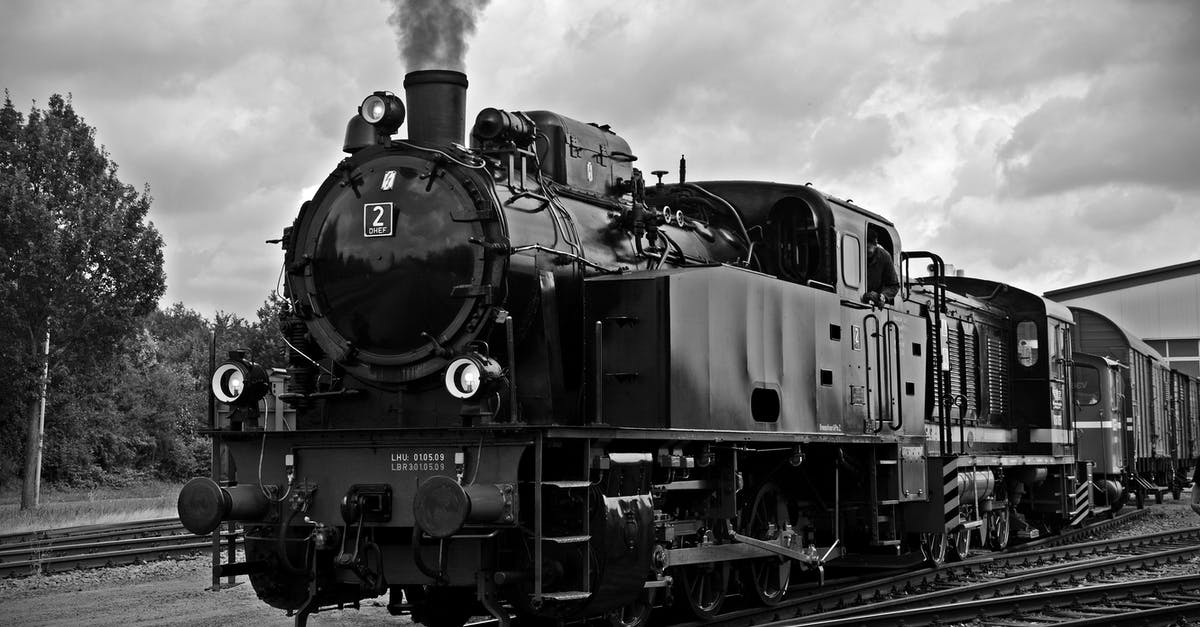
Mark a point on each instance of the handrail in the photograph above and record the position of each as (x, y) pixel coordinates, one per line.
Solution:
(935, 343)
(894, 334)
(867, 357)
(598, 351)
(960, 402)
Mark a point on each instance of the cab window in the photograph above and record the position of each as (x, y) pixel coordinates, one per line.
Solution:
(1087, 385)
(1115, 384)
(792, 233)
(1027, 343)
(852, 256)
(1059, 350)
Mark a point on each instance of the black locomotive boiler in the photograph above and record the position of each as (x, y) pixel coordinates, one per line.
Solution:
(527, 381)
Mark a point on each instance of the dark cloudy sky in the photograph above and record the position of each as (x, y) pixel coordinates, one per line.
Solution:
(1042, 143)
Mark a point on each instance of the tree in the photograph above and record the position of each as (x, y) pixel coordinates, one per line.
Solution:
(266, 345)
(78, 258)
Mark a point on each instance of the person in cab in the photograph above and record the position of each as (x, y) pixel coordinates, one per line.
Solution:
(882, 283)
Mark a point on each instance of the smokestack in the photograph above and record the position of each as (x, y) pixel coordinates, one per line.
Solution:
(437, 105)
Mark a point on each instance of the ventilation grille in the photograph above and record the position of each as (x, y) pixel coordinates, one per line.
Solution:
(997, 370)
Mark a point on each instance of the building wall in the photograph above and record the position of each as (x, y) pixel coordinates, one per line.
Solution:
(1166, 314)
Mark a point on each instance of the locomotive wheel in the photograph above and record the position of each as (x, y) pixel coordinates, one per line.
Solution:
(440, 606)
(998, 530)
(636, 614)
(934, 546)
(766, 520)
(701, 587)
(960, 544)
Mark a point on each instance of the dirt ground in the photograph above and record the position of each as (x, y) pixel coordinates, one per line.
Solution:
(160, 593)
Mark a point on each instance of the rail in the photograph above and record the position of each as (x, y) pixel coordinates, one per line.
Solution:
(986, 578)
(95, 546)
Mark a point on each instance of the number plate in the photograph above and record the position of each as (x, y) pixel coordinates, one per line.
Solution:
(378, 220)
(423, 461)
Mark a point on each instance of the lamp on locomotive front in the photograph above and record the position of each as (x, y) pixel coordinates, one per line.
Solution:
(203, 503)
(478, 381)
(471, 375)
(379, 117)
(383, 110)
(240, 382)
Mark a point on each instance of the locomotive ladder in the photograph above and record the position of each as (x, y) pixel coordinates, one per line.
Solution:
(577, 488)
(884, 495)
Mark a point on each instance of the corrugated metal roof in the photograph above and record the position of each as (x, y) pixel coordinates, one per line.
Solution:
(1126, 281)
(1096, 333)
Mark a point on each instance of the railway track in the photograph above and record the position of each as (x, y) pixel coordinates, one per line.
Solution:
(1151, 601)
(94, 546)
(850, 596)
(955, 590)
(856, 596)
(1143, 602)
(1076, 535)
(994, 583)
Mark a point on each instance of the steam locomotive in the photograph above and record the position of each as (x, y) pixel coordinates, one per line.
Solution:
(528, 382)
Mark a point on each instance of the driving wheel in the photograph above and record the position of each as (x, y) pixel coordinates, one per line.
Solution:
(960, 544)
(934, 545)
(636, 614)
(766, 520)
(998, 530)
(702, 588)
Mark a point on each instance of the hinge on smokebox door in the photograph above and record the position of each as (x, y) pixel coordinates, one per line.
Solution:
(574, 146)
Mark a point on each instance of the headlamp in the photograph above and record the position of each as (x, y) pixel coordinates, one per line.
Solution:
(239, 381)
(384, 110)
(469, 374)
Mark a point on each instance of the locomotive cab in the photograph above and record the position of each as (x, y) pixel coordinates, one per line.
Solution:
(1098, 398)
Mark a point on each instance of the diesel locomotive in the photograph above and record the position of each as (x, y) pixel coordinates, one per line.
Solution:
(527, 381)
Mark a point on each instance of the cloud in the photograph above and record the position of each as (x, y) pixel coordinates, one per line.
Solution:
(977, 172)
(842, 146)
(1116, 211)
(1143, 132)
(1108, 92)
(1005, 50)
(1073, 237)
(1033, 142)
(225, 109)
(665, 83)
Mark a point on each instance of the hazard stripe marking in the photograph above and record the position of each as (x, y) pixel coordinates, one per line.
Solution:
(950, 492)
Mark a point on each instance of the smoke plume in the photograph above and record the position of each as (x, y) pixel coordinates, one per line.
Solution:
(432, 34)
